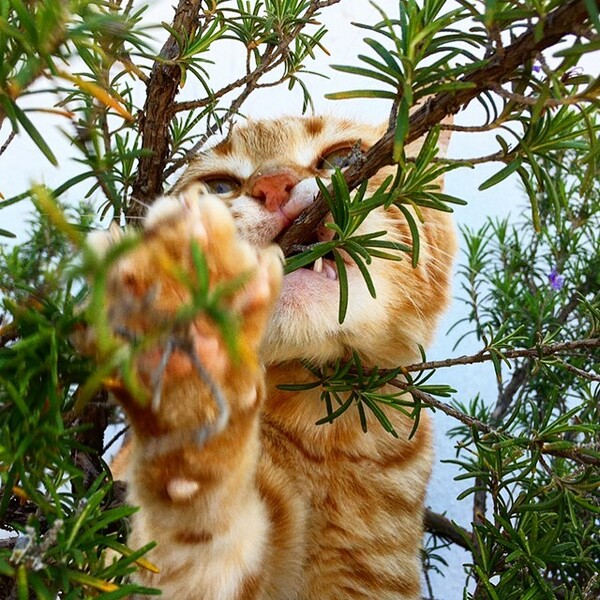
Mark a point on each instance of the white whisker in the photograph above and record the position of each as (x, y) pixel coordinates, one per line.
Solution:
(140, 202)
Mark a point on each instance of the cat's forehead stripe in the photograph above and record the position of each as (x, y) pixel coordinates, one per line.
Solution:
(299, 141)
(314, 125)
(223, 149)
(294, 140)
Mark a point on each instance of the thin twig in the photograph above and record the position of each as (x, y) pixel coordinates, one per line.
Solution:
(429, 400)
(505, 396)
(578, 372)
(427, 579)
(485, 355)
(499, 156)
(495, 124)
(591, 588)
(232, 111)
(576, 453)
(547, 102)
(11, 137)
(115, 438)
(324, 4)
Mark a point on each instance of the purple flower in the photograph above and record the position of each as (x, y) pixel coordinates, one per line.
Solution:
(536, 68)
(556, 279)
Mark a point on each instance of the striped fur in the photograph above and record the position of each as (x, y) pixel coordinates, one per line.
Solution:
(274, 507)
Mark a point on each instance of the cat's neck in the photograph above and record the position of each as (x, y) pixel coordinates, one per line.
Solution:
(295, 413)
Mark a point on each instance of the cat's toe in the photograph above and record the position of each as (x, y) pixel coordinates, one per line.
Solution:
(231, 258)
(190, 295)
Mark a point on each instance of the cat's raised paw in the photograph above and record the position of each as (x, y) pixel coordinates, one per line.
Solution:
(191, 300)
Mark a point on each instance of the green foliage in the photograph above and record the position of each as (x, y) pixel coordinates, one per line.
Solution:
(65, 553)
(65, 524)
(110, 48)
(38, 37)
(529, 463)
(539, 469)
(348, 384)
(426, 41)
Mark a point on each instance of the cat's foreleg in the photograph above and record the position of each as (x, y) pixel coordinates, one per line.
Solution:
(196, 442)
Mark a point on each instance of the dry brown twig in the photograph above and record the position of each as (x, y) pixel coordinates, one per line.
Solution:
(576, 453)
(547, 102)
(541, 351)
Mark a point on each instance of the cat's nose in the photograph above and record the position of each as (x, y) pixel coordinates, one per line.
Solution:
(274, 188)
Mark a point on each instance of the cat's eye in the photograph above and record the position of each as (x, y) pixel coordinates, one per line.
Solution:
(339, 158)
(221, 184)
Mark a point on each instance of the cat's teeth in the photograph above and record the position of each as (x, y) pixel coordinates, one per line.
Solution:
(329, 270)
(318, 266)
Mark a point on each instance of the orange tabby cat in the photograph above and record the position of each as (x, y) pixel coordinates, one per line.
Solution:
(245, 495)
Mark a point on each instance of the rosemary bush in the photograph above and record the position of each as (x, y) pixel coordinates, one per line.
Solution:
(529, 460)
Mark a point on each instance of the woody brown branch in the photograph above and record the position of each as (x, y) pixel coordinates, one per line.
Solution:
(162, 87)
(443, 527)
(498, 69)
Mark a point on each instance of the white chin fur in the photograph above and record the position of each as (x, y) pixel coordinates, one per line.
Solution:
(305, 322)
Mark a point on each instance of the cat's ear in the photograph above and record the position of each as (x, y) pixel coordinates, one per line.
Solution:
(444, 139)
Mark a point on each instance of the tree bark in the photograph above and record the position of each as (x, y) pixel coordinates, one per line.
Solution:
(162, 88)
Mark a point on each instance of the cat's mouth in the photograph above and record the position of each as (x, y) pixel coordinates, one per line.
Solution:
(325, 265)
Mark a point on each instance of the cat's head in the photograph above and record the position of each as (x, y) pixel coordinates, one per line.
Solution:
(265, 172)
